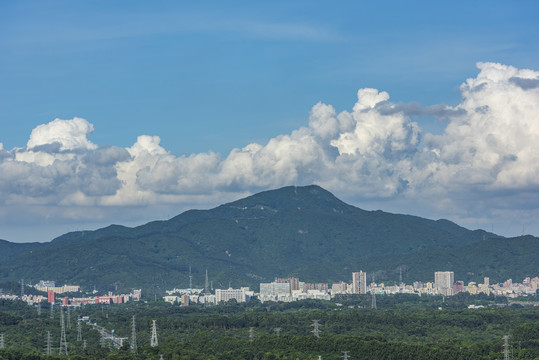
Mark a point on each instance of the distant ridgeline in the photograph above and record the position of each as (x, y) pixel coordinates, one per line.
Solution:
(293, 231)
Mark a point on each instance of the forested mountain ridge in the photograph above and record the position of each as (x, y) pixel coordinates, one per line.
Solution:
(302, 231)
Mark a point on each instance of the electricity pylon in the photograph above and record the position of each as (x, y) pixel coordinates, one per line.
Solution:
(48, 347)
(79, 331)
(133, 336)
(278, 331)
(316, 330)
(153, 340)
(2, 343)
(251, 333)
(63, 341)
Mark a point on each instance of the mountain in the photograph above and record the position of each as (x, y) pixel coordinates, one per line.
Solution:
(301, 231)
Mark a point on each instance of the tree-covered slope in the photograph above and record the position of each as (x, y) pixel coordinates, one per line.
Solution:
(292, 230)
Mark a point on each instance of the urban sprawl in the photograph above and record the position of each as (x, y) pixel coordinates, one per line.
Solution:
(287, 290)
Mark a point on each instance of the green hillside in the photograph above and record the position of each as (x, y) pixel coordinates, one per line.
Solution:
(302, 231)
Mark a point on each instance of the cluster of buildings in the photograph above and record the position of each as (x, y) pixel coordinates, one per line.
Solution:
(48, 285)
(52, 291)
(292, 289)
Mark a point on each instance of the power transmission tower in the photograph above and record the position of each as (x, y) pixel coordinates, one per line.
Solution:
(63, 341)
(38, 309)
(52, 310)
(68, 318)
(48, 347)
(79, 331)
(153, 340)
(102, 339)
(133, 337)
(345, 355)
(316, 330)
(84, 345)
(373, 305)
(278, 331)
(251, 333)
(22, 288)
(506, 347)
(2, 343)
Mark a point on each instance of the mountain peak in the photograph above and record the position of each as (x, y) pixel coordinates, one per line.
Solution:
(309, 198)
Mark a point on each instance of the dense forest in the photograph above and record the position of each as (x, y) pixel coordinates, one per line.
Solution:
(402, 327)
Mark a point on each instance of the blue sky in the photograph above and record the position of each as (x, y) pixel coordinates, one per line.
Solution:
(217, 76)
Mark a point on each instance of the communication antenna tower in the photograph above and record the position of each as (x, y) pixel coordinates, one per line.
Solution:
(153, 340)
(190, 278)
(63, 341)
(345, 355)
(48, 348)
(278, 331)
(79, 331)
(251, 333)
(2, 344)
(206, 285)
(316, 331)
(133, 336)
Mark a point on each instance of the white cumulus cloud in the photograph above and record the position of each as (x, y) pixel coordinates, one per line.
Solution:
(375, 152)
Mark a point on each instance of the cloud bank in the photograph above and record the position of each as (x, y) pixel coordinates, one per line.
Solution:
(484, 166)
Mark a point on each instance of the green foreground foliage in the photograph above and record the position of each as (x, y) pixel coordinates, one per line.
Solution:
(404, 327)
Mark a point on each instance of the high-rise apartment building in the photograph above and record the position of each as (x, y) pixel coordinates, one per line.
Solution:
(359, 282)
(294, 282)
(443, 281)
